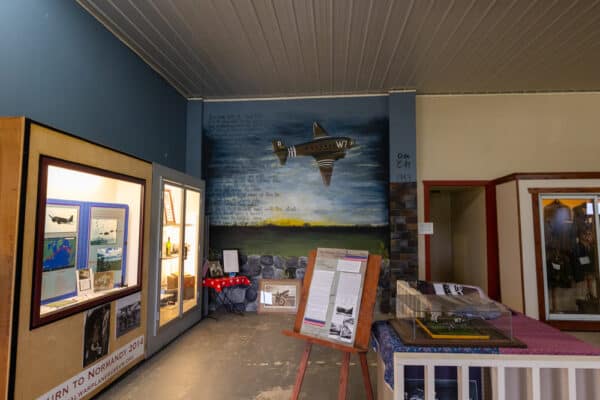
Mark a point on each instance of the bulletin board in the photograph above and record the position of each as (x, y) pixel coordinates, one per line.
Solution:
(369, 271)
(333, 303)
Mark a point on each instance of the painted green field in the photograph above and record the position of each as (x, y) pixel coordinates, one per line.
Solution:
(297, 241)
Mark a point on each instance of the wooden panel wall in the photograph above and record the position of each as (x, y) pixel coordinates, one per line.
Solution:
(51, 354)
(11, 145)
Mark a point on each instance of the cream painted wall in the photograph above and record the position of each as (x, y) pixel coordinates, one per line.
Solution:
(441, 240)
(469, 253)
(509, 246)
(462, 137)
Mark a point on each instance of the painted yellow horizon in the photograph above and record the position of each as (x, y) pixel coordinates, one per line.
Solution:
(292, 222)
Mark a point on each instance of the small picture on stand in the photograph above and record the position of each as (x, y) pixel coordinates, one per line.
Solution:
(215, 269)
(104, 281)
(84, 279)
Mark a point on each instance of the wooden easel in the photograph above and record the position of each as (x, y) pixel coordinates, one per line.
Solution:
(363, 331)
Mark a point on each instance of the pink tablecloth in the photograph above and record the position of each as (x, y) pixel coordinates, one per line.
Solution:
(543, 339)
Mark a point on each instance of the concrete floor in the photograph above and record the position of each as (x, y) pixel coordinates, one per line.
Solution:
(239, 357)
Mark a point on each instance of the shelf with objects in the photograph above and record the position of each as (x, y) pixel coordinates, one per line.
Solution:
(177, 233)
(79, 221)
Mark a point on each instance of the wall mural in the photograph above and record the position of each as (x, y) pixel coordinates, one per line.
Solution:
(287, 176)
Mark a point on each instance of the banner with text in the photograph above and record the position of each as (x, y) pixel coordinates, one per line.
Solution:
(96, 375)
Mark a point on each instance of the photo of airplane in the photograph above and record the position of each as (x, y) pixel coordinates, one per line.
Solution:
(324, 148)
(61, 220)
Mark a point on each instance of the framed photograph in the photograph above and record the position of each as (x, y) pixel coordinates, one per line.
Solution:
(109, 259)
(169, 210)
(104, 281)
(96, 333)
(279, 295)
(61, 218)
(103, 231)
(231, 261)
(59, 252)
(215, 269)
(129, 310)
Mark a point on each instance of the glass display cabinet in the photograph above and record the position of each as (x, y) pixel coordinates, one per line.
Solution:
(89, 230)
(444, 314)
(178, 225)
(570, 277)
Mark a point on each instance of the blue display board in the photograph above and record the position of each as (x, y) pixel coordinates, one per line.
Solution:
(70, 227)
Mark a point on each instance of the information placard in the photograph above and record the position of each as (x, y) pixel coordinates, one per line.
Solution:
(333, 302)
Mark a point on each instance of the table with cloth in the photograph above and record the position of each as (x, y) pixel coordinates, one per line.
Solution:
(541, 339)
(219, 286)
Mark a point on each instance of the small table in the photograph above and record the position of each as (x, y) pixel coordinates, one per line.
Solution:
(218, 284)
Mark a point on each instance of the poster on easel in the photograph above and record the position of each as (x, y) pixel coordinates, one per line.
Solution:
(333, 303)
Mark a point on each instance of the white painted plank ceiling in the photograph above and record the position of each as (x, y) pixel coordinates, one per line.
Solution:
(255, 48)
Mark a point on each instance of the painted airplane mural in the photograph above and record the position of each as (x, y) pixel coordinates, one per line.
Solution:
(324, 148)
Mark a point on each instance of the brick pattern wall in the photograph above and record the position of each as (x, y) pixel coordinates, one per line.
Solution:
(403, 239)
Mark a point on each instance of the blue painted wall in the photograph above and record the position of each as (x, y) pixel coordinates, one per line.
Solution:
(193, 162)
(61, 67)
(403, 137)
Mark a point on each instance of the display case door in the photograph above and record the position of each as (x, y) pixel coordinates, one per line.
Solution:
(179, 255)
(190, 253)
(171, 241)
(569, 249)
(177, 232)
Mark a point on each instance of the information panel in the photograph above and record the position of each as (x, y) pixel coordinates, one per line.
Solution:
(335, 295)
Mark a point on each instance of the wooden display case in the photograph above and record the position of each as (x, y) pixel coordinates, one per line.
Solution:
(43, 360)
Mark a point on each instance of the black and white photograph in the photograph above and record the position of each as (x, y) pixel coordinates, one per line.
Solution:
(347, 329)
(103, 231)
(129, 310)
(61, 218)
(344, 310)
(335, 329)
(96, 333)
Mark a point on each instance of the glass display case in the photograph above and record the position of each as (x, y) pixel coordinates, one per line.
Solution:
(88, 238)
(179, 255)
(569, 250)
(442, 314)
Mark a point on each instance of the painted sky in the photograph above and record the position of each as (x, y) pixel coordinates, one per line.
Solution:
(248, 186)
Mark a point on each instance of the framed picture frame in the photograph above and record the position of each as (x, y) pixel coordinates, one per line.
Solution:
(169, 210)
(279, 295)
(215, 269)
(231, 261)
(61, 218)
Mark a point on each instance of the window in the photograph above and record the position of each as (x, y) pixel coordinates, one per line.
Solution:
(88, 238)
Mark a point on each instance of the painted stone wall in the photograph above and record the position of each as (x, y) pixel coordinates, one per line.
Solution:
(287, 176)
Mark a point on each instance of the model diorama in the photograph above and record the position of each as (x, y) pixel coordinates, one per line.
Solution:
(438, 314)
